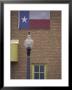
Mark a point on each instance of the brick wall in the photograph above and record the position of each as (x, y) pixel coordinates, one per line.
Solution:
(46, 48)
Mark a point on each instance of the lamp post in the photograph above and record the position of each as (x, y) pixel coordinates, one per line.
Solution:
(28, 43)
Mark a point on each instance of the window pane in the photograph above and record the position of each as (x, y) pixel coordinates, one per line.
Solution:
(36, 75)
(36, 68)
(41, 75)
(41, 68)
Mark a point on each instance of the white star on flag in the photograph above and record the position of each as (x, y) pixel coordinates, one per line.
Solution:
(24, 19)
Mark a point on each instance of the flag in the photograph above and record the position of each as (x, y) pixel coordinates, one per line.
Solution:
(34, 20)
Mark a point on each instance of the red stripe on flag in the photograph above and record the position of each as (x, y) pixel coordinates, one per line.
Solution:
(39, 24)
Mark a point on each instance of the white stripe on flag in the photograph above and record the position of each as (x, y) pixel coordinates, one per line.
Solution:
(39, 15)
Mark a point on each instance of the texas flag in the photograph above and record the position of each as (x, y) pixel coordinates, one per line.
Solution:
(34, 20)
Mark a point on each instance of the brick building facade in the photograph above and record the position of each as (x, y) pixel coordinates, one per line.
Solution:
(46, 49)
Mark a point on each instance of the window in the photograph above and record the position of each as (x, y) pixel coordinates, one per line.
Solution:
(38, 71)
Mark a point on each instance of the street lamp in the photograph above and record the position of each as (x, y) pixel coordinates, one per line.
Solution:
(28, 43)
